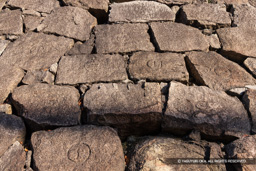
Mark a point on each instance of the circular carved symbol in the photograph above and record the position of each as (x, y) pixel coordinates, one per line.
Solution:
(153, 64)
(79, 153)
(202, 105)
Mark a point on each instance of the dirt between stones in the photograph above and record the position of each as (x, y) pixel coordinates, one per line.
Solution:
(131, 85)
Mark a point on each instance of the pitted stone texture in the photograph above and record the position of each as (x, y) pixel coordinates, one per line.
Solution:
(158, 66)
(81, 148)
(3, 45)
(14, 158)
(244, 16)
(36, 51)
(244, 148)
(11, 22)
(32, 22)
(45, 6)
(82, 48)
(238, 42)
(122, 38)
(47, 105)
(10, 77)
(211, 112)
(217, 72)
(132, 109)
(205, 15)
(12, 129)
(162, 153)
(177, 37)
(91, 68)
(250, 63)
(249, 100)
(140, 11)
(71, 22)
(89, 4)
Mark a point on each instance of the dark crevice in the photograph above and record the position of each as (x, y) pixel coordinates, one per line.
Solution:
(100, 15)
(165, 92)
(153, 39)
(246, 102)
(82, 119)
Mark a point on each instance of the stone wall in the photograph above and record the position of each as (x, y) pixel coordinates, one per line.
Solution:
(127, 85)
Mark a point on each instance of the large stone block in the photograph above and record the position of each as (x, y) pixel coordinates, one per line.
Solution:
(78, 148)
(158, 66)
(89, 4)
(11, 22)
(91, 68)
(122, 38)
(244, 16)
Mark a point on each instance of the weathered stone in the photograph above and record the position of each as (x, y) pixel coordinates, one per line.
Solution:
(12, 129)
(132, 109)
(45, 106)
(53, 68)
(91, 68)
(12, 37)
(213, 41)
(177, 37)
(32, 22)
(36, 51)
(249, 100)
(244, 16)
(6, 108)
(71, 22)
(205, 15)
(11, 22)
(78, 148)
(2, 3)
(38, 76)
(122, 38)
(82, 48)
(161, 153)
(158, 66)
(240, 91)
(228, 2)
(28, 161)
(213, 70)
(89, 4)
(45, 6)
(14, 158)
(252, 2)
(31, 13)
(238, 42)
(250, 63)
(211, 112)
(3, 45)
(244, 148)
(176, 2)
(140, 11)
(10, 77)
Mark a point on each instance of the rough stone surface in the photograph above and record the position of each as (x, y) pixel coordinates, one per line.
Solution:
(10, 77)
(249, 100)
(158, 66)
(205, 15)
(71, 22)
(213, 70)
(14, 158)
(237, 2)
(82, 48)
(38, 76)
(45, 6)
(122, 38)
(78, 148)
(31, 12)
(130, 108)
(89, 4)
(177, 37)
(244, 148)
(140, 11)
(244, 16)
(162, 153)
(6, 108)
(3, 45)
(32, 22)
(36, 51)
(211, 112)
(238, 42)
(11, 22)
(91, 68)
(2, 3)
(214, 42)
(250, 63)
(12, 129)
(252, 2)
(44, 105)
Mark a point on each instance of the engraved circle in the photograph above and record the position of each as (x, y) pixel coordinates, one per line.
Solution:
(79, 153)
(154, 64)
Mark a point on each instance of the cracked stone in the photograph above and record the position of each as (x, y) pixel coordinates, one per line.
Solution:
(213, 40)
(82, 48)
(122, 38)
(205, 15)
(176, 37)
(2, 3)
(45, 106)
(158, 66)
(45, 6)
(31, 13)
(89, 4)
(35, 51)
(12, 129)
(217, 72)
(32, 22)
(130, 108)
(250, 63)
(38, 76)
(11, 22)
(78, 148)
(91, 68)
(140, 11)
(3, 45)
(244, 16)
(71, 22)
(6, 108)
(213, 113)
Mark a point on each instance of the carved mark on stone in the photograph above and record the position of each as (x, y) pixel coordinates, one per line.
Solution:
(154, 64)
(202, 105)
(79, 153)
